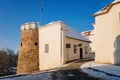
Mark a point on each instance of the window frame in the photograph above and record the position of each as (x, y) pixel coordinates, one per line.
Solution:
(46, 48)
(86, 49)
(75, 49)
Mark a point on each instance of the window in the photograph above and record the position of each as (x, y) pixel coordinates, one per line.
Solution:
(36, 44)
(21, 44)
(80, 45)
(86, 50)
(46, 48)
(68, 45)
(75, 48)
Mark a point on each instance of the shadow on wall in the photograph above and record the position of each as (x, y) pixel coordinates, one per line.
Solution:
(117, 50)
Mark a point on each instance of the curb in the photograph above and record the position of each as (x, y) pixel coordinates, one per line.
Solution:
(11, 76)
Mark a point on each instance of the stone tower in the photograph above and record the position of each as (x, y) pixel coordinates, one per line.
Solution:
(28, 57)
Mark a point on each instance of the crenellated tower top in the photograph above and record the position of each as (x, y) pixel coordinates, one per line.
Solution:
(30, 25)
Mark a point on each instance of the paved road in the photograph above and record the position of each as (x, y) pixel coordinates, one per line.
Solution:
(73, 74)
(70, 71)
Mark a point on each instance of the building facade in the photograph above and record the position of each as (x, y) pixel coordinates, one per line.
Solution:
(50, 46)
(28, 59)
(59, 44)
(91, 36)
(107, 33)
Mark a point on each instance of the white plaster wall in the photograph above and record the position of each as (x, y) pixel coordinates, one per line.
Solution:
(50, 34)
(107, 28)
(92, 39)
(70, 51)
(116, 32)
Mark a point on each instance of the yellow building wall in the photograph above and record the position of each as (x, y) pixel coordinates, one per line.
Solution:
(107, 28)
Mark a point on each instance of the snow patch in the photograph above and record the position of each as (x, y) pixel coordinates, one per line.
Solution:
(105, 71)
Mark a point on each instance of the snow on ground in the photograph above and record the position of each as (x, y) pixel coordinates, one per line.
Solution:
(105, 71)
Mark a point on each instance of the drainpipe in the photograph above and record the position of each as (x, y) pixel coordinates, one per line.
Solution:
(61, 30)
(62, 45)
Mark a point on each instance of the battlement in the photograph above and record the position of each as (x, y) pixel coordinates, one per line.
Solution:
(30, 25)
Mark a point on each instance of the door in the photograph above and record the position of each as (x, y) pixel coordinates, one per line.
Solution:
(81, 53)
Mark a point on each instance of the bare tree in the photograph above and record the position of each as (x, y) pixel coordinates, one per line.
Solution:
(8, 59)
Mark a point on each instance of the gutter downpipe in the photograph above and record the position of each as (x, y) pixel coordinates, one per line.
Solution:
(61, 46)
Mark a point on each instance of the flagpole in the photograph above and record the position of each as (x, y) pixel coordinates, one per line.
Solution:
(41, 10)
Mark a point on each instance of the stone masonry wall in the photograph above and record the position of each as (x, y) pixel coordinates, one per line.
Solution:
(28, 58)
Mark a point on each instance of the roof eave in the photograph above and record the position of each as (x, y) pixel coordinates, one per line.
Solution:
(109, 7)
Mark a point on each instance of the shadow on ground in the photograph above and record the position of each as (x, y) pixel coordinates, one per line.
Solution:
(74, 74)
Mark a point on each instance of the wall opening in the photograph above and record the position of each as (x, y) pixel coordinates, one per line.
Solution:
(75, 48)
(68, 45)
(46, 48)
(86, 50)
(36, 44)
(21, 44)
(81, 53)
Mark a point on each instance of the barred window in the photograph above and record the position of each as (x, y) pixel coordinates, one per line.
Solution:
(86, 49)
(46, 48)
(75, 48)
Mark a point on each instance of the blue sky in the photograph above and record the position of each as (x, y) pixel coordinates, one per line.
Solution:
(75, 13)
